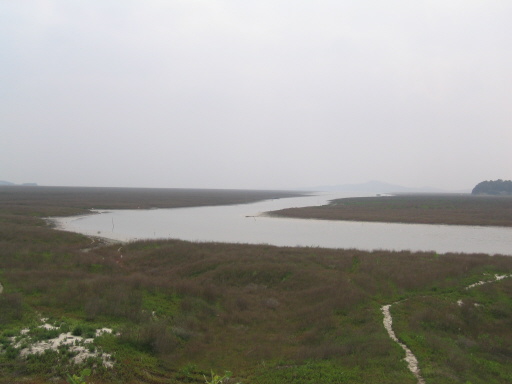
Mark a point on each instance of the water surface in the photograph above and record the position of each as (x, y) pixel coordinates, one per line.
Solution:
(245, 223)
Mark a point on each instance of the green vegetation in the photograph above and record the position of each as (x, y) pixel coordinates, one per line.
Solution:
(472, 337)
(217, 379)
(179, 310)
(496, 187)
(79, 379)
(422, 209)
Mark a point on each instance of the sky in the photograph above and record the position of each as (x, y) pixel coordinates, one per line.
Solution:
(255, 94)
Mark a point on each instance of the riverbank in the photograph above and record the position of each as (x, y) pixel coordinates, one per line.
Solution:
(269, 314)
(453, 209)
(244, 223)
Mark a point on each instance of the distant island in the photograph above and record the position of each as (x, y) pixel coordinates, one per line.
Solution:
(494, 187)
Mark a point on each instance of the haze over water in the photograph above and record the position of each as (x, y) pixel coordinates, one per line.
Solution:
(245, 224)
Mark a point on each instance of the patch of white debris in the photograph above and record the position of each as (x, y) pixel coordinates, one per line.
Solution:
(412, 361)
(81, 348)
(101, 331)
(48, 327)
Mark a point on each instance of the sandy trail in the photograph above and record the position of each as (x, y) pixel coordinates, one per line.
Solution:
(412, 361)
(496, 278)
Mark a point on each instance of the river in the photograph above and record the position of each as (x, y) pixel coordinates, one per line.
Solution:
(245, 223)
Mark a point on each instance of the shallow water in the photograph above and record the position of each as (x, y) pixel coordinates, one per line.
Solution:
(244, 224)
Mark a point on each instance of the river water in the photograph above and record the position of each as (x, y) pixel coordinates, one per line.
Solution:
(245, 223)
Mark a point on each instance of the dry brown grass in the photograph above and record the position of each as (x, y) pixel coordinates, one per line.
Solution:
(61, 201)
(424, 209)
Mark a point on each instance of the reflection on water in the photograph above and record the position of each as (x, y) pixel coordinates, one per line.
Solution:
(245, 224)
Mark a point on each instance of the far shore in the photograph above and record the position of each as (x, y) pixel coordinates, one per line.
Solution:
(71, 201)
(449, 209)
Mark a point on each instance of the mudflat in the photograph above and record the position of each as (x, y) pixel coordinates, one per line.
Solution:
(454, 209)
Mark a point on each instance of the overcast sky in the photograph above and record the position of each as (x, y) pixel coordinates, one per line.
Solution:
(255, 93)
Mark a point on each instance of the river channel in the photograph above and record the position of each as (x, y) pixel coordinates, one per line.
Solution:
(246, 223)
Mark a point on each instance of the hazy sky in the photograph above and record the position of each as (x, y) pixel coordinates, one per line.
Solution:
(255, 93)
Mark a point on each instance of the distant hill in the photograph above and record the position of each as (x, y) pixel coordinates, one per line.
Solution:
(374, 187)
(493, 187)
(2, 182)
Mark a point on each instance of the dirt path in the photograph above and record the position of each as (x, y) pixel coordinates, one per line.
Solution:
(496, 278)
(411, 360)
(1, 288)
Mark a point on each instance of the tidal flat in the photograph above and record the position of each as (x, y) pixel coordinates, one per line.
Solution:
(268, 314)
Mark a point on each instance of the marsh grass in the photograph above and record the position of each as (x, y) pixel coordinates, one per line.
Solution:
(423, 209)
(268, 314)
(55, 201)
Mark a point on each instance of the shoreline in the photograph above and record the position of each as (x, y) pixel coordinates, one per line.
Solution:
(241, 224)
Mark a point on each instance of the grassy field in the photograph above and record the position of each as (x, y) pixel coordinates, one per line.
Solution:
(424, 209)
(269, 314)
